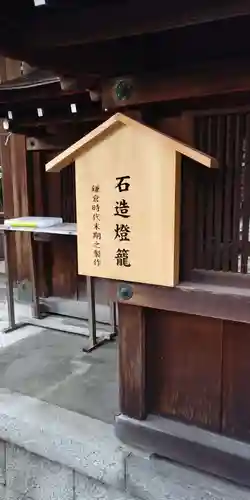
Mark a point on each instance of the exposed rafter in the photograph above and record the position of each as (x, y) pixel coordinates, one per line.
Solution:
(163, 51)
(53, 28)
(48, 28)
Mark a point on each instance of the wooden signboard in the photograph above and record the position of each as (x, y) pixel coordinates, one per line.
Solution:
(128, 201)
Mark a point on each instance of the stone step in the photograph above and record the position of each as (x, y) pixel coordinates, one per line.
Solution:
(49, 453)
(7, 494)
(160, 479)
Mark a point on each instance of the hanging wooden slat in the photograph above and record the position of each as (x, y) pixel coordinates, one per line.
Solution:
(240, 131)
(209, 208)
(220, 132)
(246, 202)
(200, 133)
(228, 191)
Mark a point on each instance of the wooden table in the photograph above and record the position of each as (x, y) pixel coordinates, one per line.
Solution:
(66, 229)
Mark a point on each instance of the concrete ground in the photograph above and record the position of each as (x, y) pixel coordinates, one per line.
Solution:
(50, 365)
(48, 390)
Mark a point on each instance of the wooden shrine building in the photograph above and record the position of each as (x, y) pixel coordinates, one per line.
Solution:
(180, 71)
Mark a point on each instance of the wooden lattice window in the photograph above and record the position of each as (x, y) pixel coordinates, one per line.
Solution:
(216, 205)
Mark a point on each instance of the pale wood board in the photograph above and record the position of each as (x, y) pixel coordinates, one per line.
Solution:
(71, 153)
(153, 198)
(124, 147)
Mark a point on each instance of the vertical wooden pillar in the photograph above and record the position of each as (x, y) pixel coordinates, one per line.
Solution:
(36, 163)
(17, 145)
(15, 183)
(132, 350)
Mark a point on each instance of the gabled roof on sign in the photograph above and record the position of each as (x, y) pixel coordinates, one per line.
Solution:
(70, 154)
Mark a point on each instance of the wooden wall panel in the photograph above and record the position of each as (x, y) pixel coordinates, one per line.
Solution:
(64, 266)
(8, 203)
(61, 203)
(132, 361)
(184, 360)
(36, 169)
(15, 160)
(236, 377)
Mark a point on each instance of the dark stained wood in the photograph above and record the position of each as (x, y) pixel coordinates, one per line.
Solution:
(37, 185)
(57, 112)
(246, 201)
(238, 159)
(17, 200)
(206, 200)
(201, 193)
(8, 202)
(228, 191)
(184, 367)
(209, 207)
(188, 218)
(64, 267)
(53, 185)
(5, 159)
(203, 299)
(181, 128)
(7, 179)
(135, 55)
(61, 203)
(54, 28)
(219, 278)
(65, 251)
(221, 128)
(37, 174)
(132, 346)
(236, 374)
(68, 196)
(53, 190)
(22, 206)
(203, 81)
(222, 198)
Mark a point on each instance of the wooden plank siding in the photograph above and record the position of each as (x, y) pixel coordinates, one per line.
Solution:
(54, 195)
(184, 359)
(16, 193)
(60, 188)
(235, 376)
(197, 371)
(36, 180)
(132, 363)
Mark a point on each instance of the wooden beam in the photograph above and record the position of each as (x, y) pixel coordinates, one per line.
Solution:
(202, 81)
(136, 55)
(222, 302)
(132, 348)
(47, 28)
